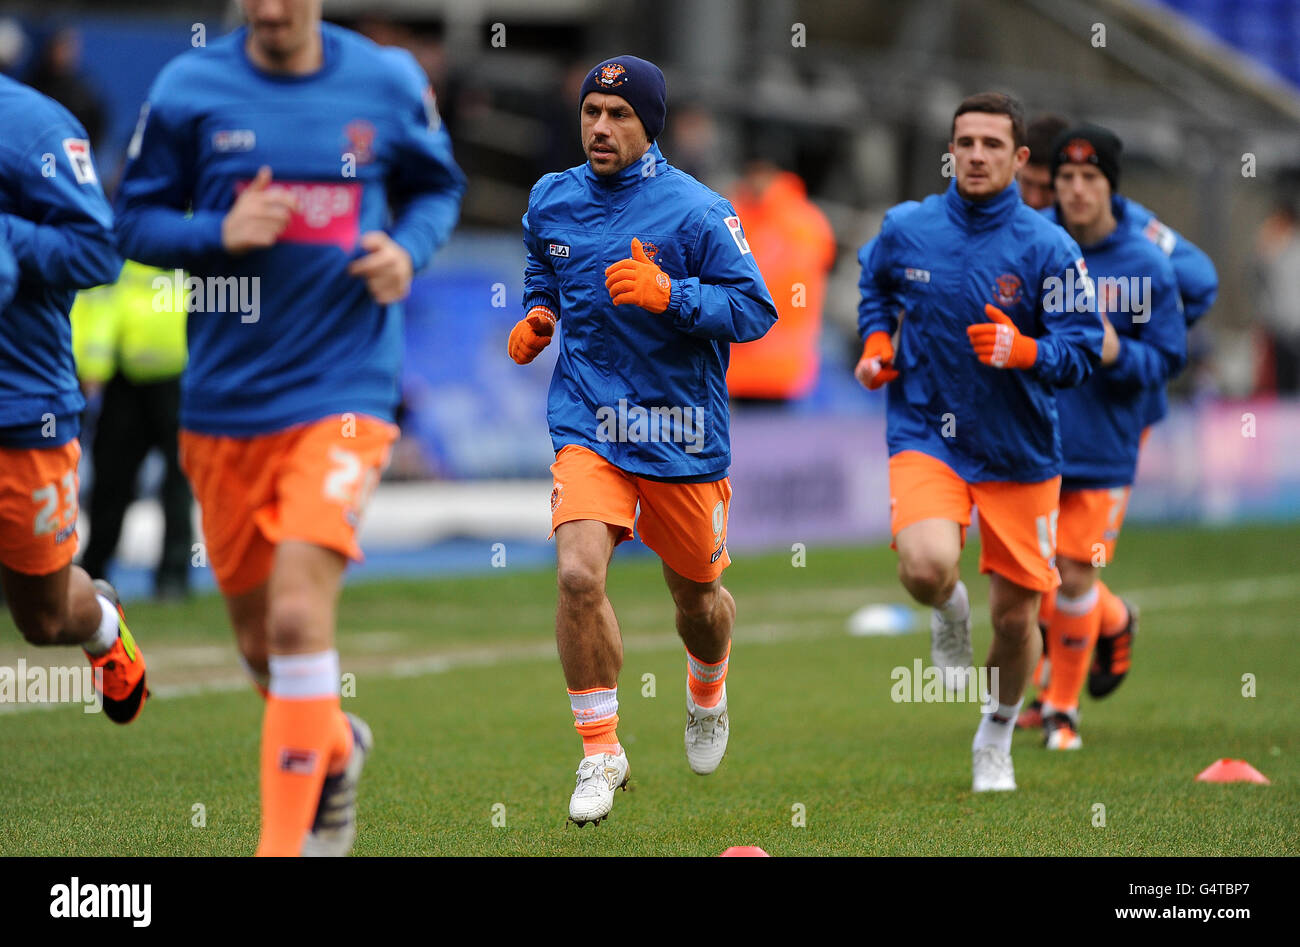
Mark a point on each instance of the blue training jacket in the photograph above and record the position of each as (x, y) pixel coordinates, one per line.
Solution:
(1102, 420)
(360, 145)
(58, 230)
(646, 391)
(940, 261)
(1198, 281)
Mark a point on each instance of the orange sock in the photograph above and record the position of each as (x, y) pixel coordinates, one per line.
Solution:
(595, 717)
(305, 735)
(705, 681)
(1114, 613)
(1071, 635)
(1043, 669)
(302, 741)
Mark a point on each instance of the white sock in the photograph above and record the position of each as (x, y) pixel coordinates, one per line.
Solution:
(996, 728)
(102, 640)
(304, 675)
(957, 608)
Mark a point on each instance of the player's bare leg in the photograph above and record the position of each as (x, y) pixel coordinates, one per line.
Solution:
(591, 653)
(56, 609)
(586, 630)
(929, 553)
(247, 612)
(1014, 651)
(67, 608)
(706, 614)
(309, 766)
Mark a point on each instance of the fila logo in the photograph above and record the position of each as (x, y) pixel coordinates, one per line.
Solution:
(78, 152)
(916, 275)
(292, 760)
(234, 139)
(559, 249)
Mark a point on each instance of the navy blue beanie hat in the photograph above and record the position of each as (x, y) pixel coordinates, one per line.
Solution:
(1089, 144)
(636, 80)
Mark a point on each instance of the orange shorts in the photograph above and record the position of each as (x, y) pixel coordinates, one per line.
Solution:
(684, 523)
(38, 507)
(1090, 522)
(1017, 520)
(308, 483)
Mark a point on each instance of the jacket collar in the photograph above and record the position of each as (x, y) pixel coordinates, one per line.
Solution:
(630, 176)
(1118, 207)
(981, 215)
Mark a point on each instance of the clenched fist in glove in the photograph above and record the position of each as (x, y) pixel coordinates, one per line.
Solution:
(531, 334)
(637, 280)
(875, 368)
(999, 343)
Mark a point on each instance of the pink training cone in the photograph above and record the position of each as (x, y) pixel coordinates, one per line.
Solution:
(1231, 771)
(744, 851)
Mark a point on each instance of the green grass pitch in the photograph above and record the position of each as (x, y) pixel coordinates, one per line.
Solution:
(475, 751)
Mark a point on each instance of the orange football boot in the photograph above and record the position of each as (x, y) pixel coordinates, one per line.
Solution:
(123, 678)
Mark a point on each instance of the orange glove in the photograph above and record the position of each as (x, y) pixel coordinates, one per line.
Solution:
(638, 281)
(999, 343)
(875, 367)
(531, 334)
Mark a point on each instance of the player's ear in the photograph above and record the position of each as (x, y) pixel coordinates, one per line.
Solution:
(1022, 156)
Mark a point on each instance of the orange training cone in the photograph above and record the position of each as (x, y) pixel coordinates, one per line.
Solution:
(1231, 771)
(744, 851)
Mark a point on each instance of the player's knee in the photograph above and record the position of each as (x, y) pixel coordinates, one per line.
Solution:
(41, 626)
(294, 624)
(699, 603)
(580, 580)
(925, 574)
(1015, 621)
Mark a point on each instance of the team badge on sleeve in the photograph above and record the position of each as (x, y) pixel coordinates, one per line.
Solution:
(78, 152)
(1161, 236)
(738, 235)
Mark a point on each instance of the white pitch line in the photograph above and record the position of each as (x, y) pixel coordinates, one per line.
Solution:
(1262, 588)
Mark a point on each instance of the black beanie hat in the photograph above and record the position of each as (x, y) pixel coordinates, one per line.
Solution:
(1089, 144)
(636, 80)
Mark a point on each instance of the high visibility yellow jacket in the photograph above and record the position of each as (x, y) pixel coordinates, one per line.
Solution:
(135, 326)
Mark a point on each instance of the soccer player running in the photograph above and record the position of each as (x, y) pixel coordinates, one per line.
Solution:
(56, 236)
(1198, 286)
(649, 274)
(267, 164)
(999, 314)
(1102, 420)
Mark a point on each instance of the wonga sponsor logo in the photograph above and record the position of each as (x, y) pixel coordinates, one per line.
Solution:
(325, 212)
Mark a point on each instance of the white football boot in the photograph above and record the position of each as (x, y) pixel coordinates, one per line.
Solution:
(950, 649)
(335, 827)
(707, 729)
(599, 776)
(993, 771)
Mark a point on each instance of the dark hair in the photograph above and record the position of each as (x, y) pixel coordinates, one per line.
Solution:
(1040, 134)
(994, 103)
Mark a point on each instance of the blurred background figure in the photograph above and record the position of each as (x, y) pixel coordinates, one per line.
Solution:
(1277, 249)
(58, 74)
(129, 341)
(1035, 178)
(794, 247)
